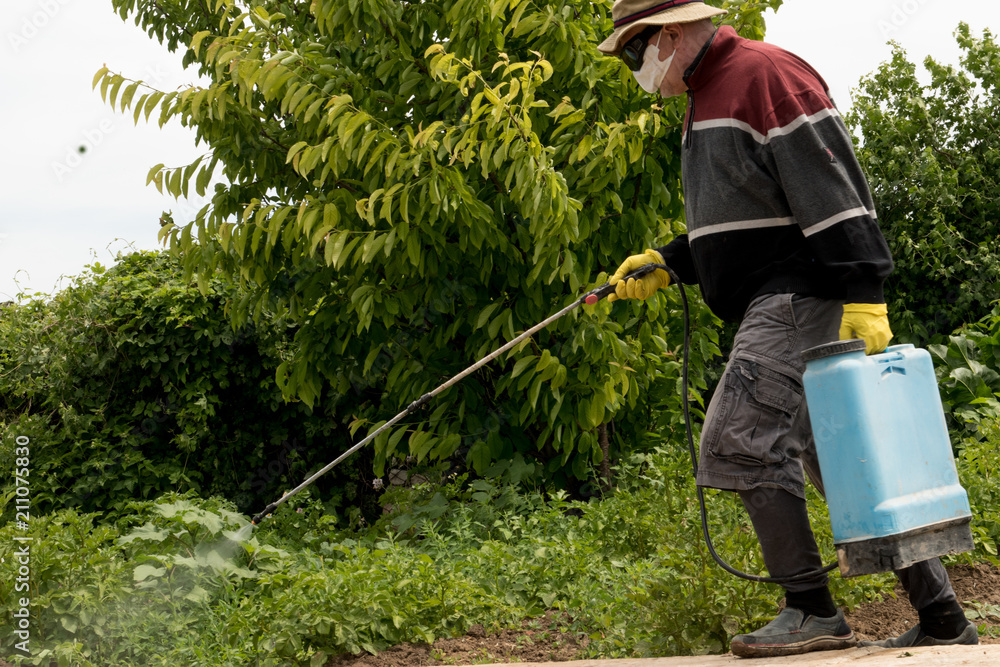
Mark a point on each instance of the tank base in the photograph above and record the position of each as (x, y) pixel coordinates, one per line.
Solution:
(894, 552)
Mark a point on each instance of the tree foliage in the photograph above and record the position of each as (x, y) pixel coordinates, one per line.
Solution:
(131, 383)
(932, 152)
(408, 185)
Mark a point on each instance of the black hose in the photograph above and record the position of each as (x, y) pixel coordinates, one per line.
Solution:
(694, 456)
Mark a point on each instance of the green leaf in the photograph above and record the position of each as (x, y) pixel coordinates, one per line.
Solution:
(498, 322)
(98, 76)
(373, 244)
(534, 391)
(129, 93)
(294, 150)
(480, 457)
(146, 533)
(521, 365)
(198, 594)
(336, 248)
(484, 315)
(143, 572)
(197, 39)
(596, 412)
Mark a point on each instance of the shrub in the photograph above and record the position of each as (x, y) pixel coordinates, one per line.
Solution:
(131, 383)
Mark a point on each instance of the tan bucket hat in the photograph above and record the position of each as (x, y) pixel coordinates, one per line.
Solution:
(628, 14)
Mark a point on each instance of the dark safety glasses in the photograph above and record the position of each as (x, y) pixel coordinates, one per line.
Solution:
(634, 49)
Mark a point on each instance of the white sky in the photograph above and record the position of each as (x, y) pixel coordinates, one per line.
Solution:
(61, 210)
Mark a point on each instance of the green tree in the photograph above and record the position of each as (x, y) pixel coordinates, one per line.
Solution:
(932, 153)
(409, 185)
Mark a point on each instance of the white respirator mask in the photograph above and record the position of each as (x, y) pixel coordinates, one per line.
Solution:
(653, 70)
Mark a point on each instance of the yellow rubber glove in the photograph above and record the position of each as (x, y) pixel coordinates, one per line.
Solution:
(868, 321)
(644, 287)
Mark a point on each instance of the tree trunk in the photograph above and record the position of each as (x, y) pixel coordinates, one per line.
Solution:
(602, 434)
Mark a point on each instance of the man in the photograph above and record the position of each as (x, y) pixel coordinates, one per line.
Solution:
(782, 238)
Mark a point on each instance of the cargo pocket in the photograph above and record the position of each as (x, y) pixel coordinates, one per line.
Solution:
(757, 410)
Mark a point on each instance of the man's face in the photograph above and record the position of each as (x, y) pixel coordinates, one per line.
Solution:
(667, 40)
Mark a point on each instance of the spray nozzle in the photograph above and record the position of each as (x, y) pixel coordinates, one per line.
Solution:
(266, 512)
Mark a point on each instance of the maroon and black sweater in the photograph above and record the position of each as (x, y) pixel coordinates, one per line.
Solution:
(775, 199)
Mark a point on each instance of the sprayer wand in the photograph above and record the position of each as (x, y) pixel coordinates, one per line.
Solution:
(590, 298)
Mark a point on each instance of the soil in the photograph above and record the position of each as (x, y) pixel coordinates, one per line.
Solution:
(538, 640)
(543, 640)
(976, 586)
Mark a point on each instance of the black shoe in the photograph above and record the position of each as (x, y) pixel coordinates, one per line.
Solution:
(793, 632)
(917, 637)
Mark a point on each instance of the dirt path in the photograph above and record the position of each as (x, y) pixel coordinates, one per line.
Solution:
(541, 641)
(948, 656)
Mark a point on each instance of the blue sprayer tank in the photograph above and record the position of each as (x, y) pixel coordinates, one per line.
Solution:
(885, 457)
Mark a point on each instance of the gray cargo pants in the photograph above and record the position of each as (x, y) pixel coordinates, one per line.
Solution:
(757, 439)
